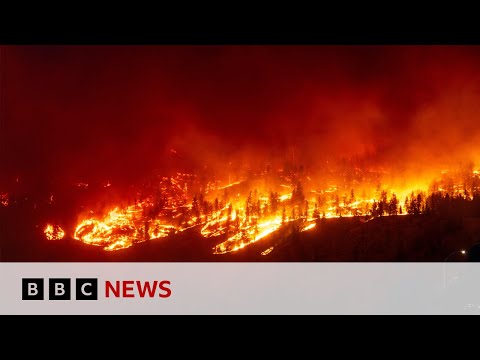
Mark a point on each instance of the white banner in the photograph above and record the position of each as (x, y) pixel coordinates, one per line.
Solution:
(239, 288)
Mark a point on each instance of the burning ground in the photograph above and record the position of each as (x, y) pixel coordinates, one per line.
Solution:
(254, 211)
(240, 213)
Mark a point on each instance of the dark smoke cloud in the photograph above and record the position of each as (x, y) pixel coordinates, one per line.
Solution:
(119, 111)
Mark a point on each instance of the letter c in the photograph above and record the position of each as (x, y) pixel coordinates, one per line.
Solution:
(82, 289)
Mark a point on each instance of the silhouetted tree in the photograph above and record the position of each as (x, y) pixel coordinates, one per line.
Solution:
(393, 205)
(352, 197)
(450, 186)
(284, 215)
(196, 209)
(366, 208)
(298, 196)
(375, 211)
(237, 222)
(316, 213)
(336, 202)
(321, 201)
(382, 204)
(274, 202)
(248, 206)
(419, 205)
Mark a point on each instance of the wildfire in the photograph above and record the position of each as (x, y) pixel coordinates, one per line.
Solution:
(236, 217)
(54, 232)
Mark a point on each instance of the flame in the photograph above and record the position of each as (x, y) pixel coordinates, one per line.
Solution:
(229, 185)
(54, 232)
(248, 235)
(120, 229)
(245, 217)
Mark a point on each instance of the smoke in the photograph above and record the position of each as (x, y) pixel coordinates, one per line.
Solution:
(121, 112)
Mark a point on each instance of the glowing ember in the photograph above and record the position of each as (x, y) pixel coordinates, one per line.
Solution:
(309, 227)
(54, 232)
(4, 199)
(268, 251)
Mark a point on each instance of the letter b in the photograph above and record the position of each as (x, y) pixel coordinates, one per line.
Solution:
(59, 289)
(32, 289)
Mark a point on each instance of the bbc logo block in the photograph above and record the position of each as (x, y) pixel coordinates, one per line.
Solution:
(32, 289)
(59, 289)
(87, 289)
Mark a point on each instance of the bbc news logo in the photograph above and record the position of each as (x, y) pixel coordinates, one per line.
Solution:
(59, 289)
(87, 289)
